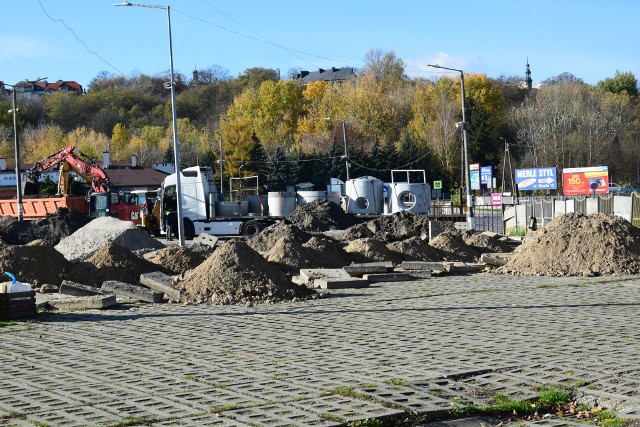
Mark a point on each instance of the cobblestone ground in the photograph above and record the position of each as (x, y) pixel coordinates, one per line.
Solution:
(419, 347)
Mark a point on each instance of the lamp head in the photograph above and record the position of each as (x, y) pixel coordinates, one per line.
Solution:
(124, 3)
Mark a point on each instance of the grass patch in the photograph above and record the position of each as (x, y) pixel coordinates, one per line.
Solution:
(332, 417)
(190, 378)
(38, 423)
(351, 392)
(397, 381)
(134, 421)
(5, 323)
(223, 408)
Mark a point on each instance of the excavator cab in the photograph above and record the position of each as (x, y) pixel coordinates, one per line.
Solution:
(99, 204)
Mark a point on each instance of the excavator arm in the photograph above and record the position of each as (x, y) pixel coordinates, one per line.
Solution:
(69, 159)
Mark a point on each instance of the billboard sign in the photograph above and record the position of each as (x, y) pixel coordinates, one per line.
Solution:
(486, 175)
(585, 181)
(536, 179)
(496, 199)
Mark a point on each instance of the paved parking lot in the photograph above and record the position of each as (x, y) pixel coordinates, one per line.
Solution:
(412, 347)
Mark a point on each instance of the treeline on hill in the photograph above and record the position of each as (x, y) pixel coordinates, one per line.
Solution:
(290, 132)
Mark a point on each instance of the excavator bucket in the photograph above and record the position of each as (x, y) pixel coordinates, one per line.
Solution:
(30, 187)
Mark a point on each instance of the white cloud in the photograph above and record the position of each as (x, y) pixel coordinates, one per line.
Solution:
(420, 67)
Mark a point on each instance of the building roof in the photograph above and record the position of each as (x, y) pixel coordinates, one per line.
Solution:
(331, 75)
(135, 177)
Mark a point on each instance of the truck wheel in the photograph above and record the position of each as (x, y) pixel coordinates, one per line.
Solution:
(189, 229)
(251, 228)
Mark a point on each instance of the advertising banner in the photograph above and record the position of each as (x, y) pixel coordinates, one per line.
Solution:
(536, 179)
(496, 199)
(578, 181)
(486, 174)
(474, 176)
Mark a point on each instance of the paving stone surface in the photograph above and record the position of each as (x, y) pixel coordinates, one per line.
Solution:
(419, 347)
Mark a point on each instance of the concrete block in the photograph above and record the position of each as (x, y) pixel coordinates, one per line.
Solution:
(435, 229)
(160, 282)
(497, 259)
(424, 265)
(341, 283)
(139, 293)
(360, 270)
(310, 274)
(465, 267)
(299, 280)
(420, 274)
(83, 303)
(490, 234)
(206, 239)
(67, 287)
(387, 277)
(461, 226)
(387, 264)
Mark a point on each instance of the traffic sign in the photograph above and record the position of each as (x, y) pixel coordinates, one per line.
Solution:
(437, 185)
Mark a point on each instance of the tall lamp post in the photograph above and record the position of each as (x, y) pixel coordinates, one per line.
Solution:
(14, 111)
(176, 149)
(465, 148)
(344, 138)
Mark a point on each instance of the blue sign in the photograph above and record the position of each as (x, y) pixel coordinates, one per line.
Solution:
(486, 175)
(536, 179)
(474, 177)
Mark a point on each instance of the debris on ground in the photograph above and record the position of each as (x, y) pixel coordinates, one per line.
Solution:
(416, 249)
(318, 252)
(579, 245)
(397, 226)
(321, 215)
(370, 249)
(237, 274)
(487, 243)
(52, 228)
(264, 241)
(86, 240)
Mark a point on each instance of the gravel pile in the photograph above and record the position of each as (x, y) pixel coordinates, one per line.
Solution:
(85, 241)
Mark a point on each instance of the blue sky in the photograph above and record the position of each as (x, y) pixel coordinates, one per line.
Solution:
(77, 39)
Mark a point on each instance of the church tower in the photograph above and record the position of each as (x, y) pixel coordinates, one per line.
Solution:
(528, 74)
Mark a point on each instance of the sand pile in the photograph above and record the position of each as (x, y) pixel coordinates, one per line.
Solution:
(321, 215)
(36, 263)
(52, 228)
(454, 248)
(180, 259)
(486, 243)
(318, 252)
(114, 262)
(579, 245)
(264, 241)
(398, 226)
(416, 249)
(101, 231)
(237, 274)
(372, 250)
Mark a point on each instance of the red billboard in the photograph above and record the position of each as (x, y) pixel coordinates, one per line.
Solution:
(578, 181)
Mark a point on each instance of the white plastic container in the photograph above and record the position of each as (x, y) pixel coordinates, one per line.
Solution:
(364, 195)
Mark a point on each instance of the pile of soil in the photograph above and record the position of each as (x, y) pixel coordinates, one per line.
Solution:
(372, 250)
(264, 241)
(114, 262)
(86, 240)
(36, 263)
(321, 215)
(454, 248)
(485, 243)
(52, 228)
(180, 259)
(578, 245)
(416, 249)
(319, 252)
(398, 226)
(237, 274)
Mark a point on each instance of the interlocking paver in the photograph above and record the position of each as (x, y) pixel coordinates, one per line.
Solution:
(422, 346)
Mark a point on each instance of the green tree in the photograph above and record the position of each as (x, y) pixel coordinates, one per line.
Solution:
(254, 77)
(620, 83)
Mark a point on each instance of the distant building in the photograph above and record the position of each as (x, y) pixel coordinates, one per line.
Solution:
(42, 87)
(332, 74)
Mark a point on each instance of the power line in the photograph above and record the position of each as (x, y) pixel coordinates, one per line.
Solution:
(86, 46)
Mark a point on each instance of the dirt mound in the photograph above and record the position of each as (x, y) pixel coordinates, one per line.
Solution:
(319, 252)
(398, 226)
(114, 262)
(453, 247)
(52, 228)
(416, 249)
(321, 215)
(179, 259)
(372, 250)
(579, 245)
(96, 234)
(237, 274)
(485, 243)
(36, 263)
(264, 241)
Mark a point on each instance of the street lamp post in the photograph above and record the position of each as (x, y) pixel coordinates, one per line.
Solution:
(14, 111)
(176, 148)
(465, 148)
(344, 138)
